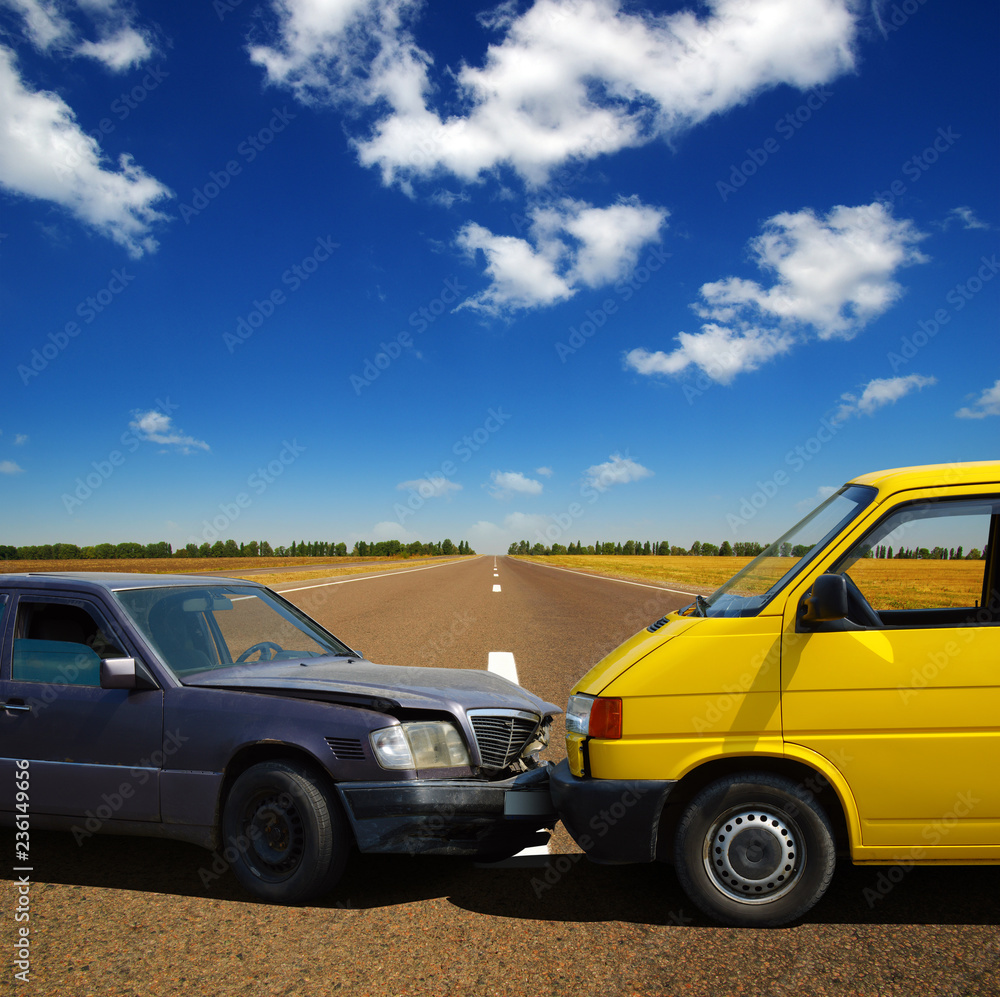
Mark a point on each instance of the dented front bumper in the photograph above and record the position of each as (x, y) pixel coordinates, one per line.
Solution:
(450, 816)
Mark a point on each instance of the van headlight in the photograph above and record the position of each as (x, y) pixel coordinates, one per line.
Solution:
(429, 744)
(594, 716)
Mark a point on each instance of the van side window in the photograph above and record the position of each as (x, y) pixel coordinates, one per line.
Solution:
(929, 564)
(59, 643)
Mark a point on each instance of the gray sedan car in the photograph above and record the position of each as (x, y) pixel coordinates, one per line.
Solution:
(215, 712)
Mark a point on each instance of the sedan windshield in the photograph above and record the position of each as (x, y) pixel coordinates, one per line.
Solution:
(750, 590)
(196, 629)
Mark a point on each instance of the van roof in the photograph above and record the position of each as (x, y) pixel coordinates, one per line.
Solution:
(933, 475)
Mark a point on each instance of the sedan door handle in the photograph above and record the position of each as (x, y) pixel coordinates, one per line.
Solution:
(16, 704)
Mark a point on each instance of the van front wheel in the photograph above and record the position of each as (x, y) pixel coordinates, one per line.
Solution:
(754, 850)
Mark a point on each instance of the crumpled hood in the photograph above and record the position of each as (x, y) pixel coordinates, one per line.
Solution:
(451, 689)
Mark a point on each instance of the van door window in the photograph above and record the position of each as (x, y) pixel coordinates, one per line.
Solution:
(927, 564)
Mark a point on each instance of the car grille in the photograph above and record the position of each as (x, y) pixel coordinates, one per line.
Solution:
(502, 735)
(346, 748)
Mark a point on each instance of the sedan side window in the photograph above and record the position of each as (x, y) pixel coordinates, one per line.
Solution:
(926, 565)
(59, 643)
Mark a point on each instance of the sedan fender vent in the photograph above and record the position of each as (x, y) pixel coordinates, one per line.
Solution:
(346, 748)
(502, 735)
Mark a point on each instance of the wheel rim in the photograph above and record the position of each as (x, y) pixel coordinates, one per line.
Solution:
(754, 855)
(276, 834)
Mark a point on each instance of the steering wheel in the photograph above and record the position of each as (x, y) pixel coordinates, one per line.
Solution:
(262, 646)
(859, 609)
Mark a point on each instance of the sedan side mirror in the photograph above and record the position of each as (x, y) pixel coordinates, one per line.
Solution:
(826, 601)
(118, 673)
(124, 673)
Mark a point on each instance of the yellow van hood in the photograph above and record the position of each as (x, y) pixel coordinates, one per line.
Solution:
(626, 655)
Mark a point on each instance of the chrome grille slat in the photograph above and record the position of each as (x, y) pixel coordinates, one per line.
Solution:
(502, 736)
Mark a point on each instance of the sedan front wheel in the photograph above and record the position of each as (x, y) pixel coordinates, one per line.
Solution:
(284, 834)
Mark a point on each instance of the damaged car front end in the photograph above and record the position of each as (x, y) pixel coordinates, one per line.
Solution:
(453, 766)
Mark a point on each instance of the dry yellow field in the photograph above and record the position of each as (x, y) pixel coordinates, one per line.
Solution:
(234, 567)
(887, 584)
(697, 574)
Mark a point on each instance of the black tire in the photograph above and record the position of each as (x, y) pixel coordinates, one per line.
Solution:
(284, 834)
(754, 850)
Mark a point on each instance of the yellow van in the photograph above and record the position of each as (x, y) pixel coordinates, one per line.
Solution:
(841, 693)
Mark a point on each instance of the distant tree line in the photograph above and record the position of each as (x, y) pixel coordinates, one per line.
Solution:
(932, 554)
(648, 548)
(229, 548)
(740, 548)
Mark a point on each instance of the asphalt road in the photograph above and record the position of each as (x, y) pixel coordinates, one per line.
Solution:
(130, 916)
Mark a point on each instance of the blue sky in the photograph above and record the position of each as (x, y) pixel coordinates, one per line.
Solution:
(570, 270)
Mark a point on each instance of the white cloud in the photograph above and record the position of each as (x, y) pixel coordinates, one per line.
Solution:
(388, 530)
(522, 277)
(45, 22)
(572, 243)
(155, 427)
(45, 154)
(125, 48)
(822, 493)
(344, 50)
(610, 238)
(834, 273)
(48, 25)
(618, 470)
(575, 79)
(880, 392)
(832, 276)
(567, 79)
(988, 403)
(508, 483)
(720, 352)
(9, 467)
(20, 439)
(486, 536)
(524, 525)
(432, 487)
(545, 472)
(966, 216)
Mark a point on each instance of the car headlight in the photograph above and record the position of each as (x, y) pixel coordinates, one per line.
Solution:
(594, 716)
(429, 744)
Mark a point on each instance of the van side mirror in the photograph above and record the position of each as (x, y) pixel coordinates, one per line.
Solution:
(826, 601)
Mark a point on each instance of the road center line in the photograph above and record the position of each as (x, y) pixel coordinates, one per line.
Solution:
(502, 663)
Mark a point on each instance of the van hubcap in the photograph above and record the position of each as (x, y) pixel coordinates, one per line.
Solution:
(754, 855)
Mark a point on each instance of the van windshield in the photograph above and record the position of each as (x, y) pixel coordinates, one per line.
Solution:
(752, 588)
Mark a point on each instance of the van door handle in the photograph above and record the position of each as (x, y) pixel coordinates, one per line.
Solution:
(18, 705)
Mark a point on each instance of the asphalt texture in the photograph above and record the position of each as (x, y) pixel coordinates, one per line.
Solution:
(128, 916)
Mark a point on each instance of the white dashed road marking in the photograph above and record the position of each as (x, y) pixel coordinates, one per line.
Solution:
(502, 663)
